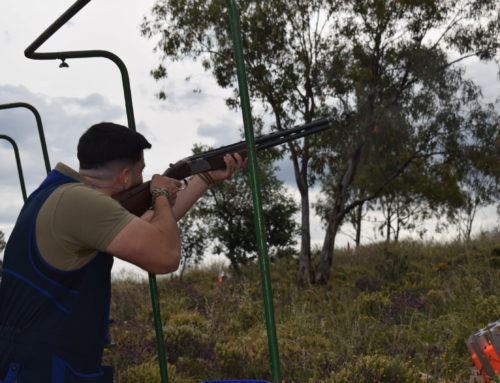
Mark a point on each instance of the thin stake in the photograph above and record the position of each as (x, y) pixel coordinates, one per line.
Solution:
(256, 194)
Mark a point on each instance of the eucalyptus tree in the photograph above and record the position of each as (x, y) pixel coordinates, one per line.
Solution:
(225, 212)
(412, 105)
(287, 46)
(413, 198)
(386, 71)
(481, 168)
(193, 241)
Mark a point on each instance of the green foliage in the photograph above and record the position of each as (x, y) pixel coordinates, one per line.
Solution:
(376, 369)
(373, 304)
(193, 236)
(371, 323)
(495, 257)
(394, 266)
(227, 212)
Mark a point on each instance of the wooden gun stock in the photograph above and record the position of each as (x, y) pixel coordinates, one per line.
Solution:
(138, 198)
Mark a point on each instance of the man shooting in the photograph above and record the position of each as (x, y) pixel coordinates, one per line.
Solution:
(56, 285)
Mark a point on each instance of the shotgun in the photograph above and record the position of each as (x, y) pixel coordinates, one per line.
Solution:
(137, 199)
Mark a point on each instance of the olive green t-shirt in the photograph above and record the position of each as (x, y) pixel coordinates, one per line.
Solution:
(76, 222)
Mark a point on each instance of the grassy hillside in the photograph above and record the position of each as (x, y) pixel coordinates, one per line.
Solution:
(390, 314)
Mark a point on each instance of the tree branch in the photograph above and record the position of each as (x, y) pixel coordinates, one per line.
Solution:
(387, 181)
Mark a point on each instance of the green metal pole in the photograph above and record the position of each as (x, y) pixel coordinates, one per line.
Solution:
(18, 162)
(38, 124)
(30, 52)
(160, 339)
(256, 194)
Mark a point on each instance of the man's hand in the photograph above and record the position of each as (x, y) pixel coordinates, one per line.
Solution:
(171, 185)
(233, 163)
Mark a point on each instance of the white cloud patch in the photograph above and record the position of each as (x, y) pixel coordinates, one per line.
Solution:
(224, 132)
(64, 119)
(6, 37)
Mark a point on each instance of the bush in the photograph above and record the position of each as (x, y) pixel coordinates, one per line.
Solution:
(186, 335)
(394, 266)
(488, 310)
(244, 356)
(375, 304)
(147, 372)
(495, 257)
(376, 369)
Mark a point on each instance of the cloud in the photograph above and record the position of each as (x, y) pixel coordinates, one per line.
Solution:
(224, 132)
(64, 120)
(10, 205)
(180, 96)
(285, 172)
(484, 75)
(6, 37)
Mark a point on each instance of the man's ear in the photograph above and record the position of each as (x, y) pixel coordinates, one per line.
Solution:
(124, 177)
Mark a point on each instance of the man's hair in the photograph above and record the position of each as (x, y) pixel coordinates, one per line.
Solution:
(106, 142)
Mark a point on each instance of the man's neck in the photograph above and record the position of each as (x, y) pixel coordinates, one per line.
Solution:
(102, 185)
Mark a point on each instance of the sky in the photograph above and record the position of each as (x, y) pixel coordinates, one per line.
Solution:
(72, 99)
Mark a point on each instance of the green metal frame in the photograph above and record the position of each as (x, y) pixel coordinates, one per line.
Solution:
(31, 53)
(256, 193)
(18, 162)
(39, 125)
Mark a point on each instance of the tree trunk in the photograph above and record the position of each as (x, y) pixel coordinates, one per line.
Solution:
(399, 221)
(359, 216)
(301, 173)
(324, 264)
(304, 272)
(388, 223)
(322, 269)
(471, 214)
(183, 268)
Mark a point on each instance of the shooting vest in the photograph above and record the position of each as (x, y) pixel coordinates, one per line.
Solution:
(53, 323)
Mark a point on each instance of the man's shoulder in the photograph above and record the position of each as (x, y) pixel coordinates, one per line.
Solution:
(80, 199)
(79, 189)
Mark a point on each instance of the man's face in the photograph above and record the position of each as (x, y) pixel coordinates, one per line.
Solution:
(136, 172)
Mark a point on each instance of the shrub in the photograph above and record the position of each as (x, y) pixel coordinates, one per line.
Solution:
(488, 310)
(149, 372)
(244, 356)
(373, 304)
(393, 267)
(186, 335)
(376, 369)
(143, 373)
(495, 257)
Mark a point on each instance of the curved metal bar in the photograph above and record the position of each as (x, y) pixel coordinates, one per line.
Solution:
(54, 27)
(31, 53)
(18, 162)
(39, 125)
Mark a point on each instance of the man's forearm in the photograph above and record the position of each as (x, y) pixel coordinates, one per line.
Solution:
(163, 216)
(187, 197)
(164, 221)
